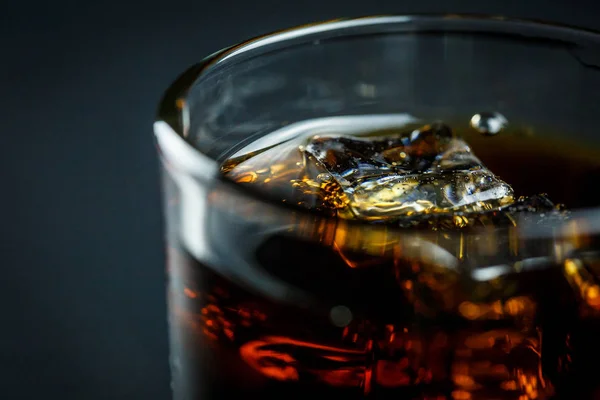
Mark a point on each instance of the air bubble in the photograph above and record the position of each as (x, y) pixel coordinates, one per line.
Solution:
(340, 316)
(488, 123)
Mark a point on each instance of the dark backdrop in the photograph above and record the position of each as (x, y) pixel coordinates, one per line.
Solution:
(82, 310)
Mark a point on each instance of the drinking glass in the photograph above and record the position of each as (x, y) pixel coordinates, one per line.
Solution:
(270, 298)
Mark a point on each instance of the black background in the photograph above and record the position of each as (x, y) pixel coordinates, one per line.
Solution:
(82, 309)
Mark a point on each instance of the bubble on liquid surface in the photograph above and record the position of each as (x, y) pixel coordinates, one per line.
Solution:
(488, 123)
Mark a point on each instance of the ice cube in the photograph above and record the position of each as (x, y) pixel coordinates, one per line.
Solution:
(428, 171)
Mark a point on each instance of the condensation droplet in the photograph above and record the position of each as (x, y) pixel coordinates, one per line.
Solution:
(488, 123)
(340, 316)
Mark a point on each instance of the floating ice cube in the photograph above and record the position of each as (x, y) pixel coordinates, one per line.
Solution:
(428, 171)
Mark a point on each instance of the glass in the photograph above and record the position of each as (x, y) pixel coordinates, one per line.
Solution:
(274, 299)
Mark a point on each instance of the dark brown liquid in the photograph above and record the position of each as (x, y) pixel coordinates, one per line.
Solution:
(566, 170)
(388, 326)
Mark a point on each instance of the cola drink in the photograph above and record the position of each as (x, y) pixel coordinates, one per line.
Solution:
(440, 299)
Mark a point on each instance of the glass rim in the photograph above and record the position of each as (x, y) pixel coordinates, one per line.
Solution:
(170, 125)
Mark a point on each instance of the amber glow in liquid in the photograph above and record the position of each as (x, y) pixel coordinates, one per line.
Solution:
(391, 326)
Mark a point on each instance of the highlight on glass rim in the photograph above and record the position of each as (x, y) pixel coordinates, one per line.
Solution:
(386, 207)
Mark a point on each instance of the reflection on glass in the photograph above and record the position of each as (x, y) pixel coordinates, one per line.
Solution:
(349, 214)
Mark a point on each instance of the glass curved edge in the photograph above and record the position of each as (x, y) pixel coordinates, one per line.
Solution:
(170, 129)
(170, 113)
(441, 23)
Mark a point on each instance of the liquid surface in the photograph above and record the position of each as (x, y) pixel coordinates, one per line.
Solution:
(530, 163)
(426, 171)
(445, 315)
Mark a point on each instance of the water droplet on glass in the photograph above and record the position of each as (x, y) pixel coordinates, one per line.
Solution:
(488, 123)
(340, 316)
